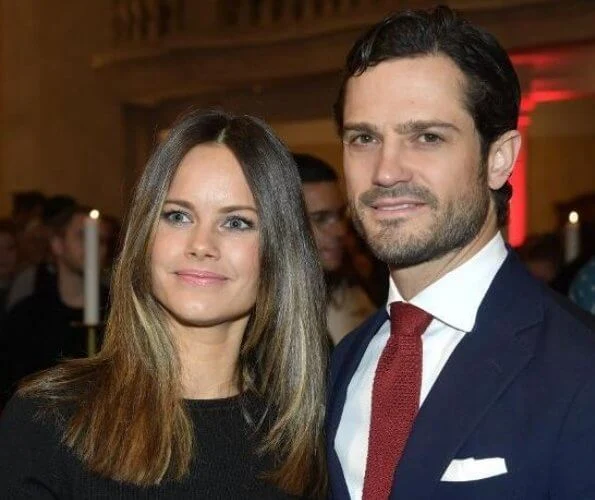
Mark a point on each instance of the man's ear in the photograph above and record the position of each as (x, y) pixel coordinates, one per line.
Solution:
(502, 157)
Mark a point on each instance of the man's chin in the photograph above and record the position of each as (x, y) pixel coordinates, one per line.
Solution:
(331, 266)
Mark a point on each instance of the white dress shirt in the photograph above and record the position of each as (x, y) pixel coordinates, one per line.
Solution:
(453, 301)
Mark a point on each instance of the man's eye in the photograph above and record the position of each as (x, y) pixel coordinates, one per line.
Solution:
(430, 138)
(362, 139)
(358, 139)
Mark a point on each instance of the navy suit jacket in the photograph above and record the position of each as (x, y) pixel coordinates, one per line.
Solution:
(520, 386)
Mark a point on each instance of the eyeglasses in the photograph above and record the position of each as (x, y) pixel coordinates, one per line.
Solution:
(322, 218)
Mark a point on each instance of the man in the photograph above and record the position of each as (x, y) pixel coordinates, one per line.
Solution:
(348, 305)
(582, 289)
(47, 325)
(39, 275)
(8, 259)
(27, 208)
(482, 383)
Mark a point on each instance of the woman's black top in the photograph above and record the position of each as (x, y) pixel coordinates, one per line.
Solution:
(34, 464)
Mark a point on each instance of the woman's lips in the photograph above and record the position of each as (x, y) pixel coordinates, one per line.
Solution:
(200, 278)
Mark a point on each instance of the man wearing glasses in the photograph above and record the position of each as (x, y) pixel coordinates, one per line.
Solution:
(348, 304)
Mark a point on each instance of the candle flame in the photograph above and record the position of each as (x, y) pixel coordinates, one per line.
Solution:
(94, 214)
(573, 217)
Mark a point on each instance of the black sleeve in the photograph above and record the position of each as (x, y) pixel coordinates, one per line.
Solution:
(10, 340)
(15, 342)
(29, 453)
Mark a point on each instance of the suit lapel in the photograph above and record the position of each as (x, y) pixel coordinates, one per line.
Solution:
(346, 359)
(485, 362)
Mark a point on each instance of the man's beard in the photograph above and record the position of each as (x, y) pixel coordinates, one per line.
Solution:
(453, 227)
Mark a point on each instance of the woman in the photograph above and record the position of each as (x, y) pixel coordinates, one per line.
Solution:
(210, 383)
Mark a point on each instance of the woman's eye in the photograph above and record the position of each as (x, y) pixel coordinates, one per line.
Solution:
(238, 223)
(176, 217)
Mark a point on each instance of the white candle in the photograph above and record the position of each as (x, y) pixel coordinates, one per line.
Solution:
(91, 314)
(572, 237)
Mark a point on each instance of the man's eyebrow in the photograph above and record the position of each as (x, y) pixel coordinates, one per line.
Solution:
(408, 127)
(416, 126)
(362, 127)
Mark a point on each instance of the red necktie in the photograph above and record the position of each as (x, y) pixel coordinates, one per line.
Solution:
(395, 397)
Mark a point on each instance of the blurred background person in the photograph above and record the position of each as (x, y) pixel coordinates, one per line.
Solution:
(8, 260)
(26, 206)
(27, 214)
(347, 302)
(40, 274)
(542, 254)
(47, 326)
(582, 288)
(569, 270)
(371, 274)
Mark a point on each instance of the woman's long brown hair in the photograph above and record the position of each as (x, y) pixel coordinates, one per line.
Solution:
(127, 419)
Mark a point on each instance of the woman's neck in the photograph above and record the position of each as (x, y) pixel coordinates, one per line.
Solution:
(209, 358)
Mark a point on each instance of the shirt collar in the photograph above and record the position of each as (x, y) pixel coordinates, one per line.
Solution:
(454, 299)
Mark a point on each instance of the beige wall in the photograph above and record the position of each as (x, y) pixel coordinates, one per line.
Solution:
(61, 132)
(561, 163)
(316, 137)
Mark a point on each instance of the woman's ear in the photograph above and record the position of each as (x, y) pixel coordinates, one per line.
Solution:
(502, 157)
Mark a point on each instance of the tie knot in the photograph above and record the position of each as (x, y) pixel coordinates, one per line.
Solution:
(408, 320)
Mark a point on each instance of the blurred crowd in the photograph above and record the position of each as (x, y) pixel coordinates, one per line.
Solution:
(42, 284)
(544, 257)
(42, 263)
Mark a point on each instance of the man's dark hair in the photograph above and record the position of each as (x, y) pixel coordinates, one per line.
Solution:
(25, 201)
(492, 90)
(542, 247)
(54, 205)
(7, 226)
(313, 169)
(60, 220)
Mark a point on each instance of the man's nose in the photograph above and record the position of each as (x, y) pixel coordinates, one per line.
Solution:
(391, 167)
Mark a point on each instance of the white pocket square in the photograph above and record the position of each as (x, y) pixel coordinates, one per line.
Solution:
(471, 469)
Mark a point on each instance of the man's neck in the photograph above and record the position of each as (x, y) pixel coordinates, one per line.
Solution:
(412, 280)
(71, 287)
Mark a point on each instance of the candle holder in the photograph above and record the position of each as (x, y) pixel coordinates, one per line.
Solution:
(91, 332)
(91, 340)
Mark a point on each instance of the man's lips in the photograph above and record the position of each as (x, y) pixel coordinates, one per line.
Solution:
(398, 205)
(200, 278)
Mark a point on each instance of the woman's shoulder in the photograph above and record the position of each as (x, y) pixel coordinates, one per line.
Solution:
(31, 420)
(30, 446)
(26, 408)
